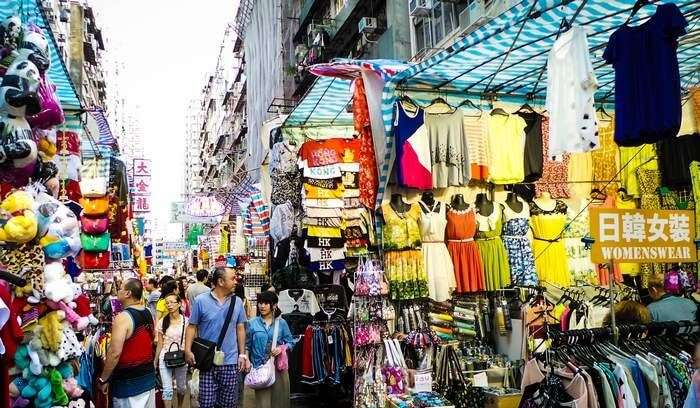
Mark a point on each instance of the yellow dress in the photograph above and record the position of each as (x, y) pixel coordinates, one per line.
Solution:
(646, 159)
(403, 259)
(551, 260)
(580, 169)
(507, 149)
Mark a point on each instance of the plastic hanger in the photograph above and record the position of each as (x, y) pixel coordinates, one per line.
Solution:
(637, 5)
(468, 102)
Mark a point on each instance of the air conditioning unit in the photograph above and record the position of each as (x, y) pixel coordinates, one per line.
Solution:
(420, 8)
(473, 16)
(368, 25)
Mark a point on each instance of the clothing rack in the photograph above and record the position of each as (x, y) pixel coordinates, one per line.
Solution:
(628, 331)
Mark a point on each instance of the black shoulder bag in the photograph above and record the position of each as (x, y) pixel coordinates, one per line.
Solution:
(175, 359)
(204, 349)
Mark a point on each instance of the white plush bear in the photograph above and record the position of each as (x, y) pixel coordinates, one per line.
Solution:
(59, 229)
(57, 283)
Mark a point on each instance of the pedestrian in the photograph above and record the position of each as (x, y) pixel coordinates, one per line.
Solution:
(667, 307)
(153, 295)
(128, 368)
(261, 331)
(165, 289)
(182, 290)
(218, 385)
(171, 337)
(200, 287)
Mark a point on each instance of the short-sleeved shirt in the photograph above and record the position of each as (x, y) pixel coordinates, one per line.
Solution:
(672, 308)
(174, 334)
(209, 315)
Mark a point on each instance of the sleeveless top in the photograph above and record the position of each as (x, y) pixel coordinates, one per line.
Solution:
(401, 230)
(135, 373)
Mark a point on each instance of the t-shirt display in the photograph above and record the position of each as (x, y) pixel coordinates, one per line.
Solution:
(647, 80)
(506, 146)
(413, 167)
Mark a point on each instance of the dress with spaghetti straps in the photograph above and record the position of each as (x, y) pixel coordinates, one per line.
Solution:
(469, 273)
(436, 257)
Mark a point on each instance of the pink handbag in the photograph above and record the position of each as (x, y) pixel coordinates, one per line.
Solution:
(51, 113)
(94, 226)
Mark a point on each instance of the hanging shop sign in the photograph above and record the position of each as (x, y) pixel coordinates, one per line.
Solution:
(643, 236)
(204, 206)
(179, 216)
(141, 203)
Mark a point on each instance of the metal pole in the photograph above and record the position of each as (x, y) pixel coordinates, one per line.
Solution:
(611, 284)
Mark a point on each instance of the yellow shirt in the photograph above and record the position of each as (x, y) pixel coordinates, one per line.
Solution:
(324, 232)
(646, 159)
(160, 306)
(318, 192)
(507, 147)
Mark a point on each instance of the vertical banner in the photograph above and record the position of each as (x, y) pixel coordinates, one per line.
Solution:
(141, 186)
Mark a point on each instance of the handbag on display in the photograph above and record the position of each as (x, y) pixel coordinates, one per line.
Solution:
(264, 376)
(205, 350)
(95, 206)
(175, 359)
(94, 225)
(92, 185)
(95, 243)
(394, 370)
(95, 260)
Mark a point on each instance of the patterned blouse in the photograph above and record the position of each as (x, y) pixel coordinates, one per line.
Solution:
(554, 171)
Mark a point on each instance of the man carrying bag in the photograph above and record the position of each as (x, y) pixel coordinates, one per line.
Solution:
(213, 346)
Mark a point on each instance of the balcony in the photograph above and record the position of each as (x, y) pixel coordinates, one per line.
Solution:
(309, 9)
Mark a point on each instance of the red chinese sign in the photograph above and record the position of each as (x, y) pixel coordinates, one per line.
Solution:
(141, 204)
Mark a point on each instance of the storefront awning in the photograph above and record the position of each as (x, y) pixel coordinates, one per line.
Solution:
(30, 11)
(325, 104)
(507, 56)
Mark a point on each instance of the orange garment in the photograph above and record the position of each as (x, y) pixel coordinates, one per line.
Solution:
(469, 272)
(610, 202)
(318, 153)
(368, 178)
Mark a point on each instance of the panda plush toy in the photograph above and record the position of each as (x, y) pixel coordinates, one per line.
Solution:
(10, 37)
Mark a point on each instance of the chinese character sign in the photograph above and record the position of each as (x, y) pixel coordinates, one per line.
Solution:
(141, 203)
(142, 185)
(142, 167)
(643, 235)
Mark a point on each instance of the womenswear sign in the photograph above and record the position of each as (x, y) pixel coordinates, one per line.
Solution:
(642, 236)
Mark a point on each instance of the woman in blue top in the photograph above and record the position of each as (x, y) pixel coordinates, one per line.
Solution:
(260, 348)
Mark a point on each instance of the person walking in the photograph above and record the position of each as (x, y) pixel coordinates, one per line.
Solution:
(152, 294)
(167, 288)
(261, 331)
(198, 288)
(171, 337)
(218, 386)
(128, 368)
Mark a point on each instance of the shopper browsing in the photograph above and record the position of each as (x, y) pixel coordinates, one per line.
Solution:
(152, 294)
(667, 307)
(261, 331)
(218, 385)
(167, 288)
(128, 369)
(198, 288)
(171, 337)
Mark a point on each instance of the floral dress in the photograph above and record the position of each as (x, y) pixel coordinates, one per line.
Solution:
(518, 246)
(554, 170)
(580, 265)
(403, 259)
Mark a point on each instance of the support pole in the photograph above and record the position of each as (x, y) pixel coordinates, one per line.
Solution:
(611, 284)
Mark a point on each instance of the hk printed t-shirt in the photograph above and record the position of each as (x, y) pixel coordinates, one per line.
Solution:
(316, 153)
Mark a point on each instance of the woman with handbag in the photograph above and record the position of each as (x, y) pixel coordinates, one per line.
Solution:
(268, 340)
(170, 358)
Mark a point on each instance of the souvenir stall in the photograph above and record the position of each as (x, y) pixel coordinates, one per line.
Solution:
(47, 237)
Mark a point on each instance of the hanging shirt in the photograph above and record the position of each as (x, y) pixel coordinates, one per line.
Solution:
(647, 81)
(412, 149)
(306, 302)
(507, 147)
(571, 84)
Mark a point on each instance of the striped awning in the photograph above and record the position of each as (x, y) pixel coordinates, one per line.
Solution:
(105, 138)
(325, 104)
(30, 12)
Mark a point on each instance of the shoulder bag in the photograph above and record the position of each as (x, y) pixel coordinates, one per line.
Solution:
(204, 350)
(264, 376)
(175, 359)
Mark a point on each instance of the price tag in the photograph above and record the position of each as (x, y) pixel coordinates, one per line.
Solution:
(481, 380)
(423, 382)
(330, 339)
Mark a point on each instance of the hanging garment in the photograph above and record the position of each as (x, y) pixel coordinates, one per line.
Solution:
(606, 158)
(580, 173)
(318, 153)
(507, 147)
(533, 145)
(518, 246)
(436, 257)
(647, 81)
(476, 131)
(633, 159)
(577, 225)
(554, 169)
(695, 177)
(368, 176)
(675, 156)
(571, 84)
(494, 257)
(549, 250)
(403, 260)
(469, 273)
(413, 167)
(449, 153)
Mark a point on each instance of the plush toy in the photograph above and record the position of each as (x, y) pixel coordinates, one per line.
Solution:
(79, 323)
(72, 388)
(46, 143)
(47, 358)
(27, 262)
(59, 394)
(10, 35)
(51, 330)
(58, 226)
(57, 284)
(17, 219)
(78, 404)
(70, 346)
(38, 390)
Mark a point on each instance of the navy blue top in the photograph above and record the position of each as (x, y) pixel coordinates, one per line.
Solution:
(405, 126)
(647, 82)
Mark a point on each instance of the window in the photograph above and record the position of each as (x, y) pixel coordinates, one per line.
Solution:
(441, 24)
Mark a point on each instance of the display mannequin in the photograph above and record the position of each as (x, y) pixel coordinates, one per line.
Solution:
(458, 203)
(429, 200)
(398, 204)
(514, 202)
(545, 201)
(483, 204)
